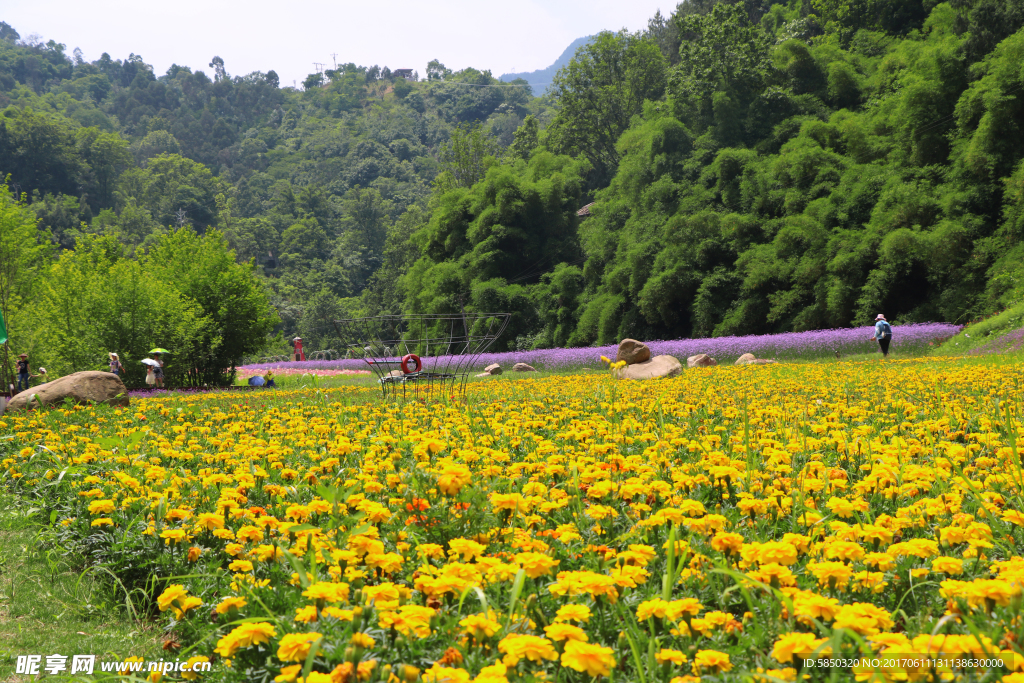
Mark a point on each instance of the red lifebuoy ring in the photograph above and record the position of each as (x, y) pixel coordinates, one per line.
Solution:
(412, 358)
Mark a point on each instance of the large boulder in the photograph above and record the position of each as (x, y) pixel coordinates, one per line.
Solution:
(523, 367)
(701, 360)
(746, 358)
(81, 387)
(633, 352)
(762, 361)
(659, 366)
(493, 369)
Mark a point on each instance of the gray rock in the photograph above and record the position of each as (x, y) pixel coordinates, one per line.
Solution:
(523, 367)
(659, 366)
(493, 369)
(81, 387)
(633, 351)
(701, 360)
(746, 358)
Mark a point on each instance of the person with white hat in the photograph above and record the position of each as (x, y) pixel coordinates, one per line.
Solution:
(883, 333)
(115, 364)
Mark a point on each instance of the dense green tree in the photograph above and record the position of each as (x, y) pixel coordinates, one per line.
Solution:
(600, 91)
(204, 270)
(95, 302)
(486, 247)
(38, 151)
(174, 189)
(24, 252)
(466, 157)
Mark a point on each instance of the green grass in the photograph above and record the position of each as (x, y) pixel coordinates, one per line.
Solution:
(49, 604)
(984, 332)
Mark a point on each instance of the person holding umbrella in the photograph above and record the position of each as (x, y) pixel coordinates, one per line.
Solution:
(158, 369)
(150, 376)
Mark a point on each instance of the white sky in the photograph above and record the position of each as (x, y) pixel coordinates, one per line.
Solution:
(259, 35)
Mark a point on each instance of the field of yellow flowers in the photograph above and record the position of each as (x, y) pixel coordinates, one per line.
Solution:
(765, 523)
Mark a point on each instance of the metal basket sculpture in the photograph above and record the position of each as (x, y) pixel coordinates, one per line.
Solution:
(422, 357)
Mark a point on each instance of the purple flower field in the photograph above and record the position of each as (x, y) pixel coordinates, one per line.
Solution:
(787, 346)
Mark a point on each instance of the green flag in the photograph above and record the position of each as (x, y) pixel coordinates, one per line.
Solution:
(3, 329)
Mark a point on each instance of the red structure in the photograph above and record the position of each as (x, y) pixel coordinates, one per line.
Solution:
(299, 353)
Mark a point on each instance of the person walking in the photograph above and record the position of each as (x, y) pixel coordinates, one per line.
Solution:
(158, 371)
(22, 366)
(883, 333)
(115, 365)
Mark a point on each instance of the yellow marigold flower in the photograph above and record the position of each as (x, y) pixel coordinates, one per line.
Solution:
(361, 640)
(191, 674)
(173, 536)
(727, 542)
(711, 661)
(881, 561)
(831, 574)
(99, 507)
(672, 656)
(102, 521)
(656, 608)
(128, 660)
(479, 626)
(579, 613)
(560, 632)
(677, 609)
(863, 618)
(465, 548)
(306, 614)
(430, 550)
(240, 566)
(453, 478)
(170, 595)
(494, 673)
(536, 564)
(444, 674)
(244, 636)
(533, 648)
(409, 620)
(776, 552)
(808, 606)
(327, 591)
(991, 592)
(294, 647)
(209, 521)
(230, 603)
(588, 658)
(1014, 517)
(792, 646)
(288, 673)
(185, 604)
(318, 677)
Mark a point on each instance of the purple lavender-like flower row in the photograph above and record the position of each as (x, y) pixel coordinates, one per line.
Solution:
(786, 346)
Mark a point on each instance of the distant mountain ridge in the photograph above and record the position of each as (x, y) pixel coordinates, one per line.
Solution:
(541, 78)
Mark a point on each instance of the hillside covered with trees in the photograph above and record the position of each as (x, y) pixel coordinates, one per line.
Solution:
(747, 168)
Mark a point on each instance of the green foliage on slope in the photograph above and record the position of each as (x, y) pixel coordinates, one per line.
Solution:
(750, 168)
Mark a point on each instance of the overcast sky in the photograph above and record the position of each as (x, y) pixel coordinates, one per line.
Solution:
(288, 37)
